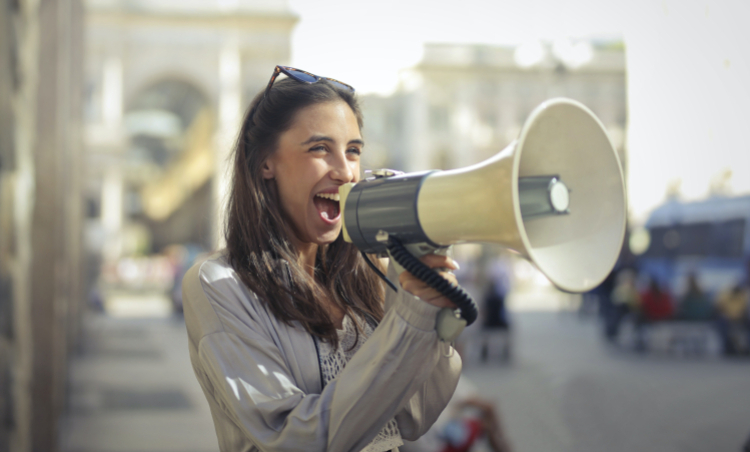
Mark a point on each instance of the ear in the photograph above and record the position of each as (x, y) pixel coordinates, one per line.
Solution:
(268, 170)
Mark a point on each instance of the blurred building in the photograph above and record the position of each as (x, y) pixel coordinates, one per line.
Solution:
(116, 121)
(166, 85)
(464, 103)
(41, 289)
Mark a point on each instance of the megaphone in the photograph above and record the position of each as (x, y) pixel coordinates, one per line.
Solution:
(556, 196)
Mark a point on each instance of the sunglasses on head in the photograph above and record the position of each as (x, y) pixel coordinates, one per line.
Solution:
(304, 77)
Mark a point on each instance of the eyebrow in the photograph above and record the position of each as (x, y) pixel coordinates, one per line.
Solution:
(315, 138)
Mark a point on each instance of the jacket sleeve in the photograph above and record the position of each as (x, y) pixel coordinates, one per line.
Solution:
(250, 380)
(423, 408)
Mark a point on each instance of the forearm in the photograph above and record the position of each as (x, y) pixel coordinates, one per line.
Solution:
(423, 408)
(390, 370)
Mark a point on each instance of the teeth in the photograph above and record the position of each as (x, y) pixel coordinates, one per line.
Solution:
(331, 196)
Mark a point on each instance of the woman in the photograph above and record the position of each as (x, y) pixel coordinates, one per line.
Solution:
(277, 322)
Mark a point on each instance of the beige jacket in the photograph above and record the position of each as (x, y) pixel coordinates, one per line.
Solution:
(262, 377)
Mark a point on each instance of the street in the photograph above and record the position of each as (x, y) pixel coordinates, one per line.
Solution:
(566, 390)
(132, 389)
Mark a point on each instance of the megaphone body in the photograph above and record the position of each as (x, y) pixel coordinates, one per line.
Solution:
(556, 196)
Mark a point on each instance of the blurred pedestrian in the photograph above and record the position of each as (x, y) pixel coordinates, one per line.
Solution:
(732, 321)
(598, 300)
(467, 423)
(495, 319)
(177, 255)
(625, 301)
(485, 421)
(655, 305)
(695, 305)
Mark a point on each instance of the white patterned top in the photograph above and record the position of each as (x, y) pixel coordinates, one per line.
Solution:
(333, 361)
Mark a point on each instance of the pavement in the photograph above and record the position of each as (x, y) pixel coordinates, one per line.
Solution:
(132, 389)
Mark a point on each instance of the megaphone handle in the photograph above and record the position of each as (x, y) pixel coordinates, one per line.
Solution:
(453, 292)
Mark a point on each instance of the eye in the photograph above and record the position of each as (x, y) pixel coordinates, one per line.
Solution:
(354, 150)
(318, 148)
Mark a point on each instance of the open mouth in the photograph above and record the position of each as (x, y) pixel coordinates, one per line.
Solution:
(327, 205)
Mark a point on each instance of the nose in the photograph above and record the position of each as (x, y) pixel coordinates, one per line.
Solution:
(342, 169)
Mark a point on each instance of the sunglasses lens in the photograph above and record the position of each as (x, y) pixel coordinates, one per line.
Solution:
(340, 85)
(305, 77)
(302, 77)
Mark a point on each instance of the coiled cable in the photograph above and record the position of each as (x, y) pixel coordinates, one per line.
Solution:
(453, 292)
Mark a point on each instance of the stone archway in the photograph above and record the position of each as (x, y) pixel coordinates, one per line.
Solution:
(169, 165)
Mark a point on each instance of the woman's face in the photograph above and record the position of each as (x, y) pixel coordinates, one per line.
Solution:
(318, 154)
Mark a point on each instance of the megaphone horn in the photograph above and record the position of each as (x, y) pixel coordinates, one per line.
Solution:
(556, 196)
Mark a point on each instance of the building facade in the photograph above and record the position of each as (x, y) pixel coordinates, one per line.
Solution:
(41, 56)
(464, 103)
(116, 121)
(167, 83)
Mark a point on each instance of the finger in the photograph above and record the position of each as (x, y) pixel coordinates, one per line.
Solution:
(422, 290)
(409, 281)
(450, 277)
(426, 293)
(418, 287)
(434, 298)
(441, 302)
(438, 261)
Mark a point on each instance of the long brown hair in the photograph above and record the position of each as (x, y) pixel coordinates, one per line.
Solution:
(257, 230)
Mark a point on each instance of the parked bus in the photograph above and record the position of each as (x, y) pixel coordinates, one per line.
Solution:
(709, 238)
